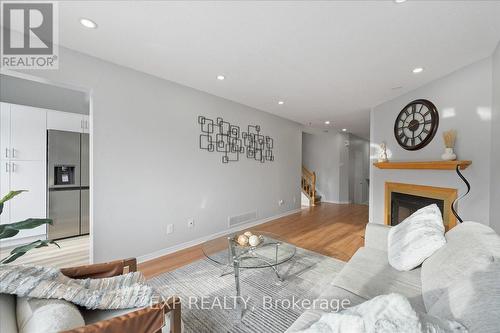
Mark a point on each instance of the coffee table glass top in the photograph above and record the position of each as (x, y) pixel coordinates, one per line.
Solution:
(272, 251)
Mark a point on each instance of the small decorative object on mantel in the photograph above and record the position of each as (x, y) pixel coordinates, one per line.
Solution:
(383, 153)
(248, 239)
(449, 142)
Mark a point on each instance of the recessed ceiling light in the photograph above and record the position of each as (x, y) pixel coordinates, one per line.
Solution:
(399, 1)
(281, 102)
(327, 122)
(417, 70)
(344, 130)
(87, 23)
(220, 77)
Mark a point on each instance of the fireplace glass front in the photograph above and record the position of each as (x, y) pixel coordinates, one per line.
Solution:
(403, 205)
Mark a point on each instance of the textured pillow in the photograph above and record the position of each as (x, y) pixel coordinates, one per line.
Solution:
(473, 300)
(46, 315)
(416, 238)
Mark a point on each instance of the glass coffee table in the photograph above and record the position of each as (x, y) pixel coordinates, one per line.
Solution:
(270, 253)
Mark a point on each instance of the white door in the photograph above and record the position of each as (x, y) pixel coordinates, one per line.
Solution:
(358, 177)
(31, 176)
(65, 121)
(4, 189)
(4, 131)
(28, 134)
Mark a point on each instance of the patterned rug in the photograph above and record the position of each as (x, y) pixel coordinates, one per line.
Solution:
(208, 298)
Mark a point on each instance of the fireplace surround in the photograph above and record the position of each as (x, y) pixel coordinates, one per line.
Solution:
(402, 200)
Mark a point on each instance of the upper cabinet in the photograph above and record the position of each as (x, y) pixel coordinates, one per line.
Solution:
(23, 134)
(66, 121)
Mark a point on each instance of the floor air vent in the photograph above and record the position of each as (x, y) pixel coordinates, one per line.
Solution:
(243, 218)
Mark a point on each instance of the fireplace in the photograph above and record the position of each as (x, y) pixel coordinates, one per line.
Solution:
(402, 200)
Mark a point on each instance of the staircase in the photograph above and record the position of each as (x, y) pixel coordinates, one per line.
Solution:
(308, 185)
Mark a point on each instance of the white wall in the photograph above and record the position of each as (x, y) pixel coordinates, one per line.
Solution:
(327, 155)
(149, 171)
(495, 147)
(463, 99)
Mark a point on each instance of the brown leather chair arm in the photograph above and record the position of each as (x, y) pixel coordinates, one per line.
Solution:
(109, 269)
(147, 320)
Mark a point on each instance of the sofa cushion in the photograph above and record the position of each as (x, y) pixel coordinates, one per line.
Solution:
(368, 274)
(8, 313)
(46, 315)
(473, 300)
(331, 292)
(416, 238)
(469, 248)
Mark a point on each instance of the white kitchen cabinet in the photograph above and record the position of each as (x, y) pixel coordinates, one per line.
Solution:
(30, 176)
(86, 124)
(26, 136)
(67, 121)
(4, 189)
(23, 149)
(4, 131)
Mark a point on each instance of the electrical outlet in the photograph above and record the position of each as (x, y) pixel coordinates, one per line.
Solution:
(281, 202)
(191, 223)
(170, 228)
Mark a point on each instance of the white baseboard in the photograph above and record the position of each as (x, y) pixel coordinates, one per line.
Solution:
(185, 245)
(337, 202)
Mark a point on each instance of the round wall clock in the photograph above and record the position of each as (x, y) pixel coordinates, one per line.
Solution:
(416, 125)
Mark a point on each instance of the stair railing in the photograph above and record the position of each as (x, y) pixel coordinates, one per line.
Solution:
(308, 184)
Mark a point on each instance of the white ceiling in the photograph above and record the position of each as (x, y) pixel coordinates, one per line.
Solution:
(326, 60)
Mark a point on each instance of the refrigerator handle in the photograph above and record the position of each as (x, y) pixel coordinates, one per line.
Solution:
(6, 152)
(7, 167)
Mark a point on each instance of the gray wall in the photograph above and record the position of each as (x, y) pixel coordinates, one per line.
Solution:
(148, 170)
(495, 145)
(327, 155)
(464, 100)
(21, 91)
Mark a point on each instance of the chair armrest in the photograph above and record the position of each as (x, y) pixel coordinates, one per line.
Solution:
(146, 320)
(376, 236)
(109, 269)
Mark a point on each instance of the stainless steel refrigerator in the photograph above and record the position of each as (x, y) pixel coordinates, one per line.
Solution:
(68, 183)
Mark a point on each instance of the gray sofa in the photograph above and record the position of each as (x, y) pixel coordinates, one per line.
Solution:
(461, 281)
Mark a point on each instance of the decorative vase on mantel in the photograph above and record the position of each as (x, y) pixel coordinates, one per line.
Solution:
(449, 138)
(449, 155)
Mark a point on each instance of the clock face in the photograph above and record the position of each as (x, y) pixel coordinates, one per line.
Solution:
(416, 124)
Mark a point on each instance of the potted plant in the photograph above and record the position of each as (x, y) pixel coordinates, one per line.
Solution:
(12, 229)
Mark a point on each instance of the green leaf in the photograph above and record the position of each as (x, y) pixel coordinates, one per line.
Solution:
(8, 233)
(5, 229)
(11, 195)
(21, 250)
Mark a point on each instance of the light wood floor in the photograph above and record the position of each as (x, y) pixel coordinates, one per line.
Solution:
(330, 229)
(73, 252)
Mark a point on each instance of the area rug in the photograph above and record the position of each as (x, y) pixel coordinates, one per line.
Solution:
(208, 298)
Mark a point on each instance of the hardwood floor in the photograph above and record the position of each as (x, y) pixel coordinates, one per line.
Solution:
(330, 229)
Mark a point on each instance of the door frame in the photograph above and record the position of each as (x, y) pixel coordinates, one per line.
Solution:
(89, 94)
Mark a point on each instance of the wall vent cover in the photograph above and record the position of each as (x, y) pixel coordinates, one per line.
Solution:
(243, 218)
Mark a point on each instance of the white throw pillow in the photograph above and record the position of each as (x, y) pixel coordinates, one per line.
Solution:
(416, 238)
(46, 315)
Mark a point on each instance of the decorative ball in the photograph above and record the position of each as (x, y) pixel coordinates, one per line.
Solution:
(242, 240)
(254, 240)
(248, 233)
